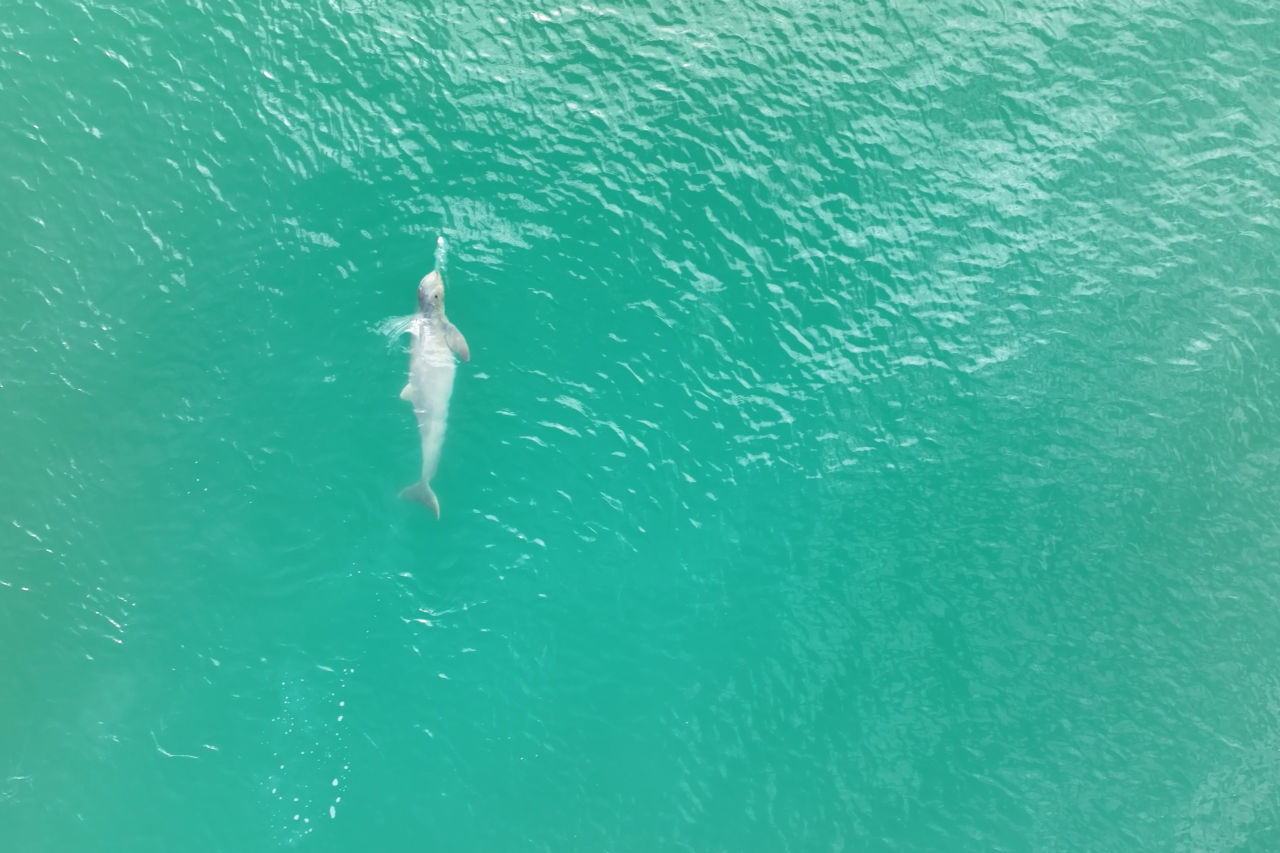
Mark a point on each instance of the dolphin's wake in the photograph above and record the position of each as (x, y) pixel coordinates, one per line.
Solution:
(394, 327)
(309, 752)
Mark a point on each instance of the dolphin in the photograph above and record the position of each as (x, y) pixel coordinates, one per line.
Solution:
(431, 367)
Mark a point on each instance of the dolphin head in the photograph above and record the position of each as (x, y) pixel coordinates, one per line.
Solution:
(431, 294)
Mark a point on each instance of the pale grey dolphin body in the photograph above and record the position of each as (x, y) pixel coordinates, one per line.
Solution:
(431, 369)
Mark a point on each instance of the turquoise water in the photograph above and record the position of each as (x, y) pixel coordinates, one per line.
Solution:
(871, 439)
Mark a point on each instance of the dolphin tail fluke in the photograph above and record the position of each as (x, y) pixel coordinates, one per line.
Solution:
(421, 492)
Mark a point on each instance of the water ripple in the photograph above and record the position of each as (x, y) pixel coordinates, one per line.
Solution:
(868, 436)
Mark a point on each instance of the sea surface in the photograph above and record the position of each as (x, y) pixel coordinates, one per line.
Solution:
(871, 439)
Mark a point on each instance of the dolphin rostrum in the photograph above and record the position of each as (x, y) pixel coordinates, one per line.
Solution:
(431, 369)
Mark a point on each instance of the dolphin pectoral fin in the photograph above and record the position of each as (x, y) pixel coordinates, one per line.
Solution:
(405, 393)
(456, 342)
(421, 492)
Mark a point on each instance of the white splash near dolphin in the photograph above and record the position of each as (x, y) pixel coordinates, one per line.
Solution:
(431, 368)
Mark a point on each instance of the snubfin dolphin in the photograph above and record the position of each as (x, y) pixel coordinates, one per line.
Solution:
(431, 369)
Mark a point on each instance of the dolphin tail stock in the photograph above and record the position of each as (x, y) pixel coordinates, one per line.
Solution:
(421, 492)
